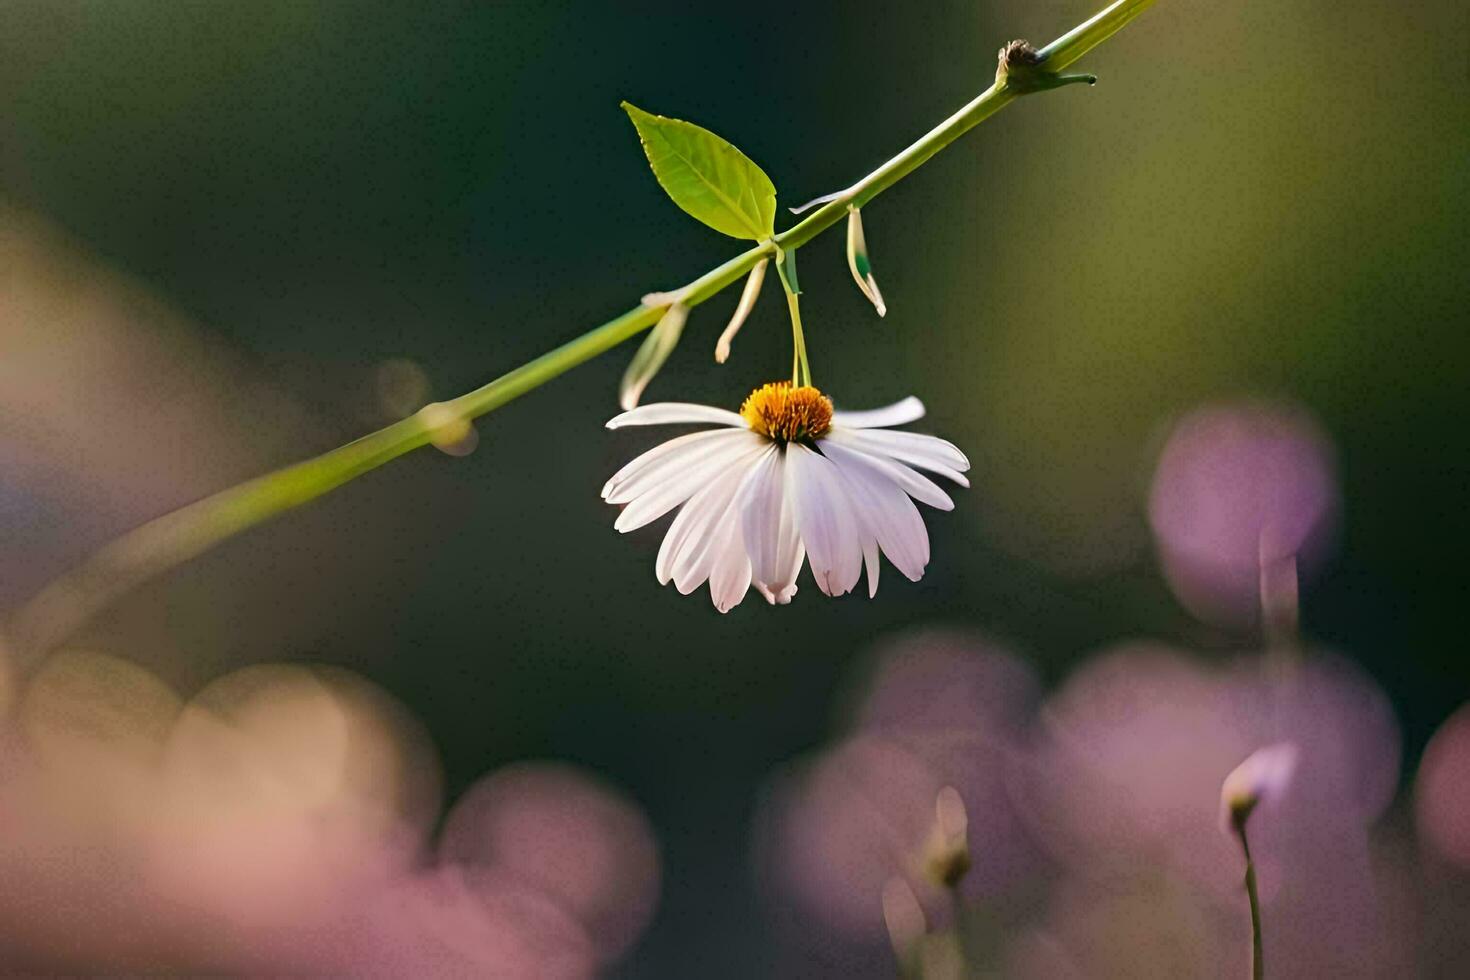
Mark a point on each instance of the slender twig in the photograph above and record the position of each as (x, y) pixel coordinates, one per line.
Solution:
(70, 601)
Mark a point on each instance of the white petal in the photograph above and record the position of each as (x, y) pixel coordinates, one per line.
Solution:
(899, 413)
(916, 443)
(670, 413)
(889, 514)
(679, 487)
(913, 483)
(667, 460)
(701, 548)
(729, 579)
(768, 523)
(695, 561)
(685, 523)
(868, 534)
(825, 519)
(638, 463)
(870, 562)
(688, 534)
(781, 590)
(925, 452)
(760, 516)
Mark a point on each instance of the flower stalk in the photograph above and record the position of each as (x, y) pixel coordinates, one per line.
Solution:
(1279, 599)
(1263, 778)
(1258, 964)
(154, 547)
(801, 369)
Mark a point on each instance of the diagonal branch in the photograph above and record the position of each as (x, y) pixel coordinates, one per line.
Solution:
(165, 542)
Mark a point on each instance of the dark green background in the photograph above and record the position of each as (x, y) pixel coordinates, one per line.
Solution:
(1257, 198)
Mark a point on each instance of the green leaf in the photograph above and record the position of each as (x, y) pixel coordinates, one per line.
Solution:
(707, 177)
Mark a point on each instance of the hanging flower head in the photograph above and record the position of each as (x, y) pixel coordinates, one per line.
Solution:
(1262, 778)
(785, 480)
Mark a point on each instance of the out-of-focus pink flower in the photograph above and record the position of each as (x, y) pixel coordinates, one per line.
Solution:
(1136, 744)
(1341, 722)
(78, 795)
(903, 916)
(1128, 763)
(561, 831)
(1238, 485)
(938, 714)
(1153, 923)
(1442, 791)
(944, 679)
(461, 922)
(962, 706)
(288, 789)
(278, 823)
(1147, 926)
(1126, 779)
(844, 825)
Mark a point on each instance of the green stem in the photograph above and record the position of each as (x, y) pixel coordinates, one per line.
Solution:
(964, 942)
(1258, 965)
(801, 368)
(70, 601)
(1090, 33)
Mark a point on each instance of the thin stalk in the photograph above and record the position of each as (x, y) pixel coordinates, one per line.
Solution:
(801, 369)
(70, 601)
(1280, 603)
(964, 942)
(1258, 965)
(794, 305)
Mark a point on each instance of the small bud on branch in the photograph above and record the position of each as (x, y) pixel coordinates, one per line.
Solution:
(1022, 68)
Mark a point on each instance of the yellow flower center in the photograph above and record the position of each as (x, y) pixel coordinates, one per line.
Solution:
(786, 414)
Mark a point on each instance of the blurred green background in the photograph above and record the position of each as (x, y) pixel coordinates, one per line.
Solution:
(1256, 199)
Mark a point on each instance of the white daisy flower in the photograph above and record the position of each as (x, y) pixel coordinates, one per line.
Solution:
(785, 480)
